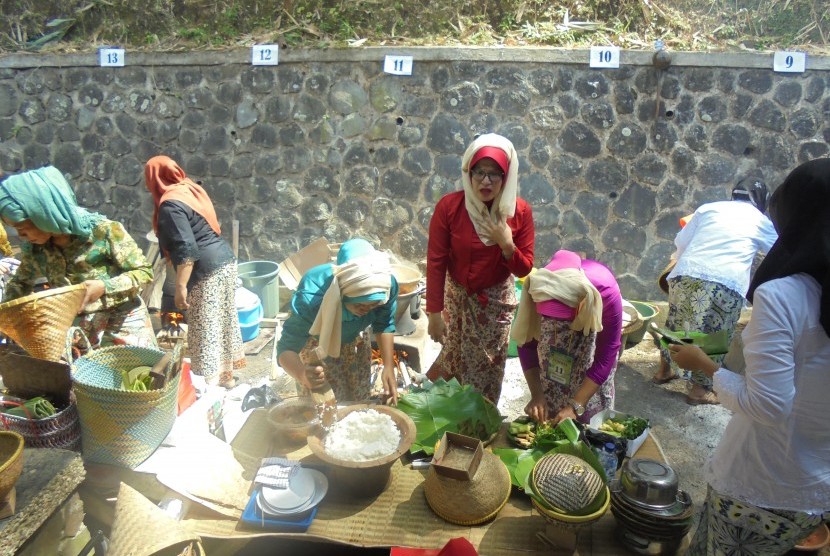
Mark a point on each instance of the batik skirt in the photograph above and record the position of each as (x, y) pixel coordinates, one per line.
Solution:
(214, 341)
(731, 527)
(127, 324)
(697, 305)
(350, 374)
(475, 344)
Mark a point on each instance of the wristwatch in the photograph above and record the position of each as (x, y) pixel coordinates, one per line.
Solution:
(578, 408)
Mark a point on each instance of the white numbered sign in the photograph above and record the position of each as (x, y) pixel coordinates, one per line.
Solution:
(112, 57)
(398, 65)
(605, 57)
(265, 54)
(792, 62)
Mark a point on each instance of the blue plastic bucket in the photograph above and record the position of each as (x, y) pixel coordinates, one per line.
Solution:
(249, 311)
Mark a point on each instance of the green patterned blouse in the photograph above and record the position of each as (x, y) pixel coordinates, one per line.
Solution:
(108, 254)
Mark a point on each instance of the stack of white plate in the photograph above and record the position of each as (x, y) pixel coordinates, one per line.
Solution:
(306, 489)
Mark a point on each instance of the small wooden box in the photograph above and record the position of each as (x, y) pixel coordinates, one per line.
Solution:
(458, 456)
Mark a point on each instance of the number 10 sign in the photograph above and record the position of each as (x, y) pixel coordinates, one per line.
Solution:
(605, 57)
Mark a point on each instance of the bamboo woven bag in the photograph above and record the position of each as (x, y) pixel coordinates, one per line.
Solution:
(38, 322)
(122, 427)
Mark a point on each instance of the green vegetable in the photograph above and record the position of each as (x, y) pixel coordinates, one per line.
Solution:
(447, 406)
(626, 427)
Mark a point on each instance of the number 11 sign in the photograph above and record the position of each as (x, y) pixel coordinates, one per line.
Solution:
(397, 65)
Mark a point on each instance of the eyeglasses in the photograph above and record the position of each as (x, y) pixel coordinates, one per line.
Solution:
(495, 177)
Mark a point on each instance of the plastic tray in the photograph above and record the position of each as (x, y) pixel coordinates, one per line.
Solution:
(253, 517)
(633, 445)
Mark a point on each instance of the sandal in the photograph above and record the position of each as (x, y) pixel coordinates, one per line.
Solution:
(660, 380)
(709, 398)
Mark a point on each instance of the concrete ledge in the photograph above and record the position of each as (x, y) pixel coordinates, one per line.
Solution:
(489, 54)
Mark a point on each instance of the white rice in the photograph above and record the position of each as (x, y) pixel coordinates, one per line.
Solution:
(362, 436)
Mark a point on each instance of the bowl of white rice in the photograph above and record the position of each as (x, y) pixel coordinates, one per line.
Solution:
(362, 446)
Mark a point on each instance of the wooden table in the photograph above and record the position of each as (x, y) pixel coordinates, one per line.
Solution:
(400, 515)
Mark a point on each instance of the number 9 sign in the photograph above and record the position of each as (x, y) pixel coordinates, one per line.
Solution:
(789, 62)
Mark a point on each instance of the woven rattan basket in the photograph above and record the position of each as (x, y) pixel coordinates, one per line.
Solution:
(470, 502)
(122, 427)
(11, 461)
(567, 484)
(38, 322)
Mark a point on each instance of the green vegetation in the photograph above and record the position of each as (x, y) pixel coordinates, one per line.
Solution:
(635, 24)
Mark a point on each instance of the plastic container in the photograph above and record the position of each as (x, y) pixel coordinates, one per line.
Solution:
(262, 278)
(249, 311)
(607, 457)
(647, 312)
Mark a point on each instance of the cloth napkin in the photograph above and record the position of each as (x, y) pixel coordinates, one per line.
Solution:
(276, 472)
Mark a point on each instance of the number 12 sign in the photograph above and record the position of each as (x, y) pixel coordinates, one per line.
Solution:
(265, 55)
(605, 57)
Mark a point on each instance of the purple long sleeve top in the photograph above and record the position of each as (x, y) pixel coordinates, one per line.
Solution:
(608, 340)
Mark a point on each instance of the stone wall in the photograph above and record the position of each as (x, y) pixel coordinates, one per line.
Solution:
(326, 144)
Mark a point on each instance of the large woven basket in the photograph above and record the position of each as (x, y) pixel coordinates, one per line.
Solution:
(122, 427)
(38, 322)
(11, 461)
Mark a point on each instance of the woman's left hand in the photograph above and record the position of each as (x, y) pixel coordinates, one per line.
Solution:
(181, 298)
(692, 358)
(94, 290)
(566, 412)
(390, 385)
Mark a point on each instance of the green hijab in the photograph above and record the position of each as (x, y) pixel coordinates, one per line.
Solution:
(45, 197)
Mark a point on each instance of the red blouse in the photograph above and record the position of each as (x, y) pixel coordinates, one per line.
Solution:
(454, 247)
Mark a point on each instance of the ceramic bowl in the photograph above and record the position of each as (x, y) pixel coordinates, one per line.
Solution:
(649, 483)
(293, 419)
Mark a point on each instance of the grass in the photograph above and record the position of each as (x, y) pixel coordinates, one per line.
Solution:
(631, 24)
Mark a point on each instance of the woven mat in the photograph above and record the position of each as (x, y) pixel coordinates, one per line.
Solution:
(400, 515)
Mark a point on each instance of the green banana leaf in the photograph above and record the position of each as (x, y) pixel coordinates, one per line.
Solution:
(447, 406)
(519, 463)
(714, 343)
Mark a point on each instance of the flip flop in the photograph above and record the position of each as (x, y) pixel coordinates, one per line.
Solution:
(709, 398)
(657, 380)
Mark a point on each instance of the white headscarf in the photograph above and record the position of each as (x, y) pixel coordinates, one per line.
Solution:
(358, 277)
(504, 206)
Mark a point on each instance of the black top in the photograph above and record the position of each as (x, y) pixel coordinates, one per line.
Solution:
(184, 235)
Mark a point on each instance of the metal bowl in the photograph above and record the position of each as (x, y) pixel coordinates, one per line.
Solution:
(649, 483)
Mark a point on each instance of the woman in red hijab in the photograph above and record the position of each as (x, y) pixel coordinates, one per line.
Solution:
(190, 238)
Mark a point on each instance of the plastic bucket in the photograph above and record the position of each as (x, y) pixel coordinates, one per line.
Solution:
(261, 277)
(647, 312)
(249, 321)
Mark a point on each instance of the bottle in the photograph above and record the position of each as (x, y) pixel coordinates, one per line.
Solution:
(608, 459)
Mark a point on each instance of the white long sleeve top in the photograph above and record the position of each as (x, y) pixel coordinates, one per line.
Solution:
(720, 242)
(775, 451)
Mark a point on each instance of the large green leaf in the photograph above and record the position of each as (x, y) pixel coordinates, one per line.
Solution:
(447, 406)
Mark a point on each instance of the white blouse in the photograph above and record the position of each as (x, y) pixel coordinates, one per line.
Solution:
(720, 241)
(775, 451)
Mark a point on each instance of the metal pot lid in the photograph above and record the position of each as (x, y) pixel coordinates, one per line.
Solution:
(681, 506)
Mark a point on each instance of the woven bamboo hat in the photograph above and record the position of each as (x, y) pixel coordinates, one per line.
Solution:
(140, 528)
(566, 483)
(39, 322)
(663, 278)
(470, 502)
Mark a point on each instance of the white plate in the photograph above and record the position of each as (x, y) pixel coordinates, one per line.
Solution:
(321, 486)
(300, 490)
